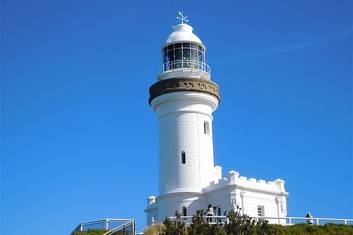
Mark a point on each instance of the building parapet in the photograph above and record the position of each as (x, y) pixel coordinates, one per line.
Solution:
(234, 178)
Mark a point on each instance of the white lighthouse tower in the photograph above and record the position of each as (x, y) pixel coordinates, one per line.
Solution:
(184, 98)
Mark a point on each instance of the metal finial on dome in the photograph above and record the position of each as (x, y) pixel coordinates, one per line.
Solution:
(182, 18)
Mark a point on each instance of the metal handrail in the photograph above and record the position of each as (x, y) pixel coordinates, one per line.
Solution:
(186, 64)
(123, 226)
(105, 222)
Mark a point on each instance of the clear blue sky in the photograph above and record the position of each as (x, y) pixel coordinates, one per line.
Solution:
(79, 140)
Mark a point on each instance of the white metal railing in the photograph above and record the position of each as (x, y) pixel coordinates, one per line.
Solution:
(315, 220)
(209, 219)
(110, 224)
(290, 220)
(127, 229)
(186, 64)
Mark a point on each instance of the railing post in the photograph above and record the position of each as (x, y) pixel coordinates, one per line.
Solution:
(317, 221)
(134, 227)
(345, 221)
(106, 224)
(290, 220)
(81, 228)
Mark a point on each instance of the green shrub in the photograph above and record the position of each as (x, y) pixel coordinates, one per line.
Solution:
(91, 232)
(307, 229)
(240, 224)
(198, 225)
(156, 229)
(175, 227)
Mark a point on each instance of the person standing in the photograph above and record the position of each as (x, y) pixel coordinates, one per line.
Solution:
(310, 218)
(209, 212)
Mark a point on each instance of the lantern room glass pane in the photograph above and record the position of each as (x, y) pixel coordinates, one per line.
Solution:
(186, 54)
(200, 56)
(200, 60)
(193, 55)
(165, 57)
(178, 58)
(186, 45)
(178, 54)
(178, 45)
(170, 55)
(186, 58)
(170, 58)
(194, 45)
(183, 55)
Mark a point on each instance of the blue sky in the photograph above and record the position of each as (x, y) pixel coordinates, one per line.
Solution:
(79, 140)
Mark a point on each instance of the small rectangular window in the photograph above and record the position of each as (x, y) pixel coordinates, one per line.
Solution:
(183, 157)
(260, 211)
(184, 211)
(206, 127)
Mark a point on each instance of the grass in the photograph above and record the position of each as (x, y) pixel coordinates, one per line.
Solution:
(91, 232)
(298, 229)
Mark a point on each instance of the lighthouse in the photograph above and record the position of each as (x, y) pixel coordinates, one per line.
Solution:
(184, 98)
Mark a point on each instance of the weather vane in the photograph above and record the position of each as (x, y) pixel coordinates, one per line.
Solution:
(182, 18)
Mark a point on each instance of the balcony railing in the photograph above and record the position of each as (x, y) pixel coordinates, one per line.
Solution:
(186, 64)
(280, 220)
(111, 226)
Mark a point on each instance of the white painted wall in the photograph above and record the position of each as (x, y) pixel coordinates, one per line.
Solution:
(181, 117)
(198, 182)
(226, 193)
(168, 205)
(251, 201)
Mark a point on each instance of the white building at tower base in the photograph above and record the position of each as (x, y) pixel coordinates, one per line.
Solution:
(184, 99)
(254, 197)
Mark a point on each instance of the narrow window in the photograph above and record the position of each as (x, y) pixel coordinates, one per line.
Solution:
(206, 127)
(183, 157)
(260, 211)
(184, 211)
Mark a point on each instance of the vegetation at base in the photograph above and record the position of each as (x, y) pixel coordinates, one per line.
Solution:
(306, 229)
(156, 229)
(242, 225)
(91, 232)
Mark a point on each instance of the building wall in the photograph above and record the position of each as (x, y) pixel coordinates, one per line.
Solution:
(226, 196)
(248, 201)
(181, 117)
(220, 199)
(251, 200)
(167, 206)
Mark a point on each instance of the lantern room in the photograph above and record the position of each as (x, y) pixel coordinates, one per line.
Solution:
(184, 55)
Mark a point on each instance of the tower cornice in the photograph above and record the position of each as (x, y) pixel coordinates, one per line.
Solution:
(183, 84)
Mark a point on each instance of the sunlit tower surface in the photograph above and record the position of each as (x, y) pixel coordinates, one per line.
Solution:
(184, 98)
